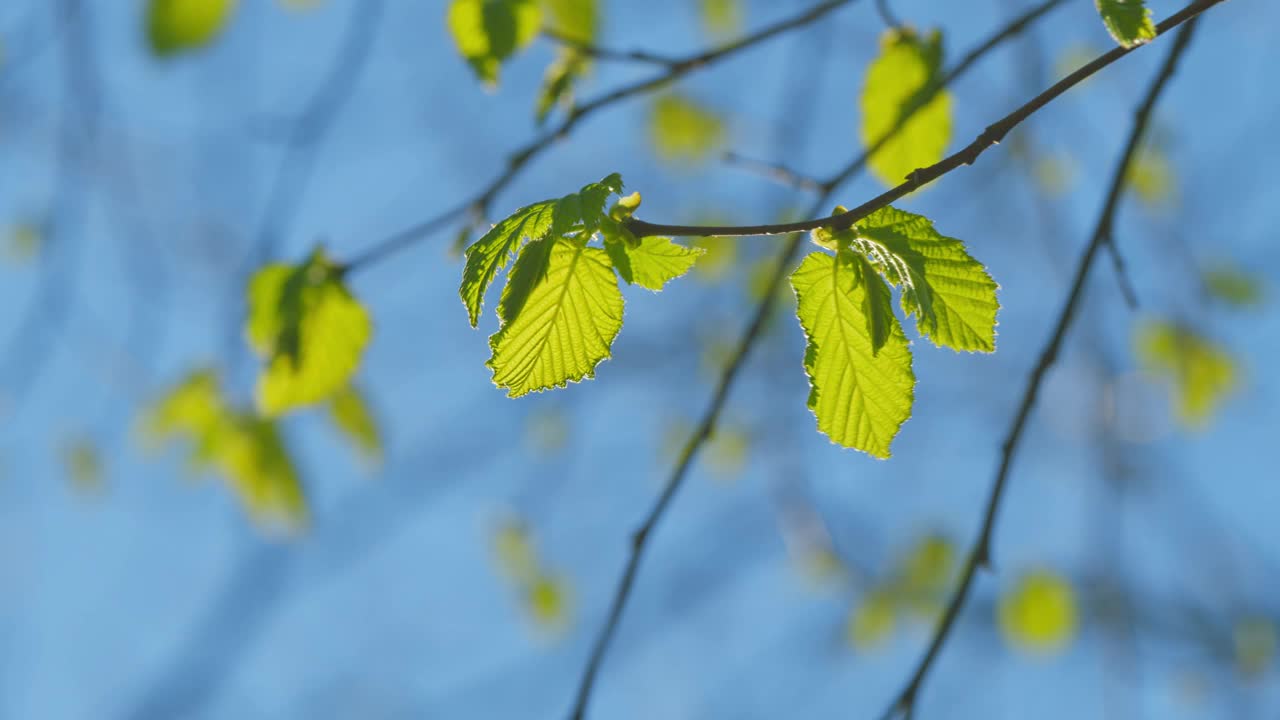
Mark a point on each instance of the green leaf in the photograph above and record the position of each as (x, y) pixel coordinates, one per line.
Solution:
(683, 131)
(721, 18)
(1233, 287)
(549, 218)
(351, 414)
(178, 26)
(1202, 374)
(860, 397)
(950, 294)
(567, 324)
(1151, 175)
(246, 450)
(308, 328)
(1128, 21)
(487, 32)
(652, 262)
(558, 83)
(575, 19)
(901, 89)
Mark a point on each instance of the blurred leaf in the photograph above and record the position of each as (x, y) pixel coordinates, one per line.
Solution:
(1073, 58)
(860, 397)
(351, 414)
(1128, 21)
(245, 449)
(727, 451)
(513, 549)
(902, 79)
(84, 465)
(1039, 614)
(927, 568)
(722, 18)
(1054, 175)
(558, 83)
(683, 131)
(719, 255)
(487, 32)
(547, 599)
(1255, 645)
(872, 621)
(24, 243)
(308, 328)
(547, 430)
(1202, 374)
(1233, 287)
(575, 19)
(179, 26)
(1151, 175)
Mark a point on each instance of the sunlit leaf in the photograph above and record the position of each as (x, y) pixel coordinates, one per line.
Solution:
(1201, 374)
(1151, 175)
(547, 599)
(1128, 21)
(1039, 614)
(487, 32)
(859, 397)
(547, 430)
(352, 415)
(901, 90)
(684, 131)
(567, 323)
(179, 26)
(308, 328)
(574, 19)
(722, 18)
(558, 83)
(872, 621)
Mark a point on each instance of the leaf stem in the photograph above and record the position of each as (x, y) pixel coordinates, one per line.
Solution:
(980, 555)
(923, 176)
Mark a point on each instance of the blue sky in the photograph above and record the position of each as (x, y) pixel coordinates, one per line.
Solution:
(157, 595)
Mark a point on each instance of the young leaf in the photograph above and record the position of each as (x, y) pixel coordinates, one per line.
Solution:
(489, 31)
(574, 19)
(902, 80)
(557, 84)
(872, 621)
(649, 262)
(178, 26)
(549, 218)
(1128, 21)
(721, 18)
(860, 397)
(567, 323)
(308, 328)
(950, 294)
(1232, 286)
(683, 131)
(351, 414)
(1039, 614)
(1202, 374)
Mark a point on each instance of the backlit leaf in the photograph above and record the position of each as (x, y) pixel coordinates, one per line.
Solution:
(1200, 372)
(901, 90)
(1128, 21)
(652, 263)
(1039, 613)
(308, 328)
(872, 621)
(722, 17)
(684, 131)
(487, 32)
(178, 26)
(351, 414)
(1233, 286)
(860, 397)
(574, 19)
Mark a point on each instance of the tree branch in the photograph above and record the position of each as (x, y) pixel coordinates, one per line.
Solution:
(479, 203)
(923, 176)
(980, 555)
(719, 397)
(600, 53)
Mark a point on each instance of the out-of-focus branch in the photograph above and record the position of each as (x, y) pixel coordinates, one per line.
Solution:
(980, 555)
(603, 53)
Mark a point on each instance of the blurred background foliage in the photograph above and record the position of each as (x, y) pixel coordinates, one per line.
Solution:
(417, 544)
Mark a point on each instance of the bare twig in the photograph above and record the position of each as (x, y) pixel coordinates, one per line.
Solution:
(980, 555)
(603, 53)
(708, 421)
(774, 171)
(479, 203)
(923, 176)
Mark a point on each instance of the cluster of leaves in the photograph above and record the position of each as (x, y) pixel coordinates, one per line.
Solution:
(562, 306)
(544, 594)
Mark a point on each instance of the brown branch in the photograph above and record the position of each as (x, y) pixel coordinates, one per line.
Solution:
(706, 425)
(923, 176)
(479, 203)
(980, 555)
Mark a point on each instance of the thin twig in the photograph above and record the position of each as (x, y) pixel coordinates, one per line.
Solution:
(923, 176)
(479, 203)
(980, 555)
(706, 425)
(886, 14)
(602, 53)
(774, 171)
